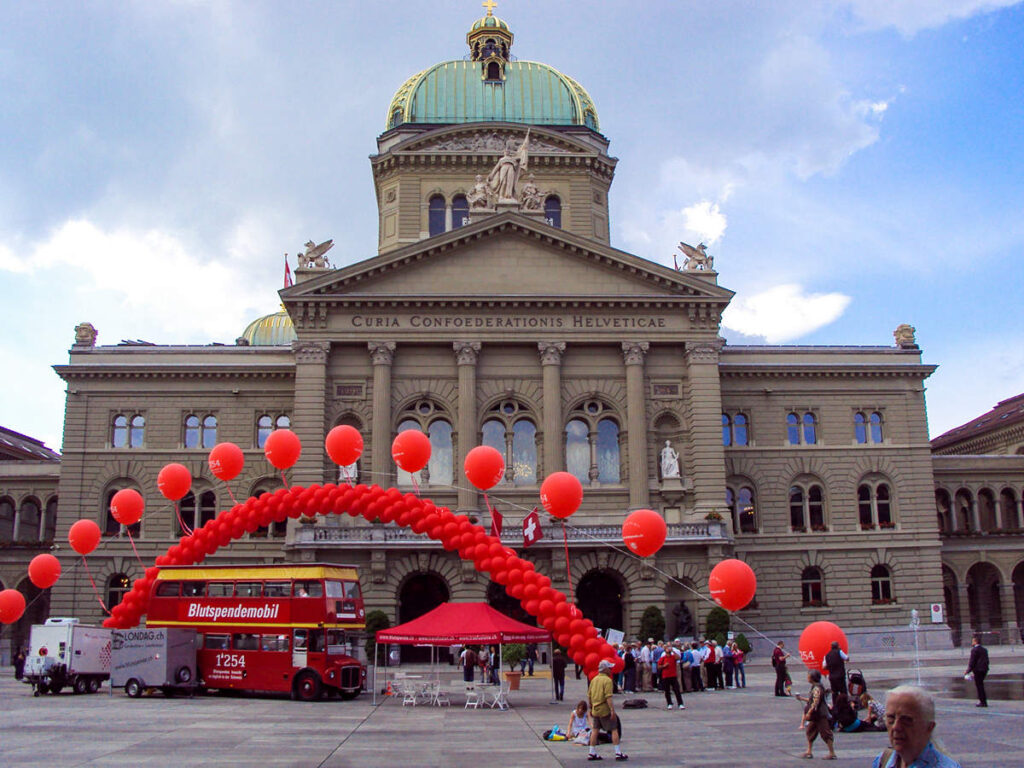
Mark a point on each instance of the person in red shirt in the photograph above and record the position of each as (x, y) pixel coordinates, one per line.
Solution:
(668, 667)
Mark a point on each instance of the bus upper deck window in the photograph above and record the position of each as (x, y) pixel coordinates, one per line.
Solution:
(334, 589)
(248, 589)
(352, 591)
(168, 589)
(277, 589)
(193, 588)
(220, 589)
(309, 589)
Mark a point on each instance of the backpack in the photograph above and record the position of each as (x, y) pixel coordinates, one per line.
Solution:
(635, 704)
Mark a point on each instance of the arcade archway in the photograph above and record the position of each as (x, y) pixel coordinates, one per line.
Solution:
(599, 596)
(420, 593)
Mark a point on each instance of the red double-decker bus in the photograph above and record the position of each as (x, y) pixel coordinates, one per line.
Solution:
(267, 627)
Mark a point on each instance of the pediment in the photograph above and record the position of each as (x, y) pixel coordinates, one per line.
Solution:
(490, 139)
(512, 258)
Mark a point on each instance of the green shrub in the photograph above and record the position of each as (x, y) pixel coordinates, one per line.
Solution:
(742, 643)
(512, 654)
(716, 624)
(375, 621)
(652, 624)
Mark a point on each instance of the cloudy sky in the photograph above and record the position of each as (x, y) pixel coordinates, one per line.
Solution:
(852, 164)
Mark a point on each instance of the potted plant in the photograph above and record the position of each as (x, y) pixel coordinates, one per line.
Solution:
(513, 653)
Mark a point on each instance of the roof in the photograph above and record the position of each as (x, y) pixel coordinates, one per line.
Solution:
(454, 92)
(463, 623)
(1006, 413)
(15, 446)
(270, 330)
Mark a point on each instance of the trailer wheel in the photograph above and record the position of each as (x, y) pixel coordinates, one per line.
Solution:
(183, 675)
(307, 686)
(94, 684)
(81, 685)
(133, 688)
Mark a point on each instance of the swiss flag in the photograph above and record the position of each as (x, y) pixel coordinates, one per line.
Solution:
(531, 529)
(288, 281)
(496, 521)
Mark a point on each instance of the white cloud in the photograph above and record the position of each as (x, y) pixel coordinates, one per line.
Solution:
(10, 263)
(706, 220)
(911, 16)
(783, 313)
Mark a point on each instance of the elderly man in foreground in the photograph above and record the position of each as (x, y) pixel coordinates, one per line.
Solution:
(910, 720)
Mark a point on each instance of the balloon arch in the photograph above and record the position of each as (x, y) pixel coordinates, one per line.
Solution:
(373, 503)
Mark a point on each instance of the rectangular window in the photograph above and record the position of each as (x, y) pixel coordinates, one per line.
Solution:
(216, 642)
(168, 589)
(193, 588)
(274, 643)
(309, 589)
(245, 641)
(220, 589)
(248, 589)
(277, 589)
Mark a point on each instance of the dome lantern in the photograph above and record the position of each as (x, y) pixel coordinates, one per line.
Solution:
(489, 41)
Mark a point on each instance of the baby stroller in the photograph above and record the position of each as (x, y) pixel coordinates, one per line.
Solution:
(856, 683)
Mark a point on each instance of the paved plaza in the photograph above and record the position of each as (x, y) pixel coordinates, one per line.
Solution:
(728, 728)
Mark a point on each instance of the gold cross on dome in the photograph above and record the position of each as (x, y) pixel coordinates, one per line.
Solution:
(490, 5)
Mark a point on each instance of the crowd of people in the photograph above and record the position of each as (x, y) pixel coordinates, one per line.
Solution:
(677, 667)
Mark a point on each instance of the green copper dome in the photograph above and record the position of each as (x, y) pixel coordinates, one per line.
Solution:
(490, 86)
(270, 330)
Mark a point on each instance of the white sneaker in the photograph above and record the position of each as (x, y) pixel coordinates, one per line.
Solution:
(669, 706)
(682, 706)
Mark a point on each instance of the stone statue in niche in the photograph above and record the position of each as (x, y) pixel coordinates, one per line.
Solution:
(669, 461)
(504, 177)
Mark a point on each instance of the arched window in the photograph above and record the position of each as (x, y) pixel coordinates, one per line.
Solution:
(430, 417)
(553, 211)
(734, 429)
(200, 433)
(110, 526)
(881, 586)
(460, 211)
(193, 517)
(810, 429)
(510, 430)
(118, 585)
(493, 72)
(874, 505)
(29, 518)
(128, 431)
(944, 511)
(807, 507)
(987, 510)
(191, 431)
(812, 587)
(435, 215)
(740, 501)
(867, 427)
(50, 521)
(1009, 511)
(265, 424)
(592, 444)
(6, 519)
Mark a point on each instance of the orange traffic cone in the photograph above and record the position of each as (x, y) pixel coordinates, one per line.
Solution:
(389, 692)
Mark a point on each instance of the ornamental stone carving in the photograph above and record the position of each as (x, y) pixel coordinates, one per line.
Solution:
(905, 336)
(307, 352)
(466, 352)
(551, 352)
(85, 335)
(483, 142)
(634, 352)
(703, 352)
(381, 352)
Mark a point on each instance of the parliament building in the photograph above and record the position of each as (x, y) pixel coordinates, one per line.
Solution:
(496, 311)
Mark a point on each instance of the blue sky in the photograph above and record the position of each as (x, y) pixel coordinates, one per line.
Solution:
(852, 164)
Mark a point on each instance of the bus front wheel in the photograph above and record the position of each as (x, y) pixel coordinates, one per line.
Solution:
(307, 686)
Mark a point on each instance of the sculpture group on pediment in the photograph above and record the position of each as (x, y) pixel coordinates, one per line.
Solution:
(697, 258)
(530, 196)
(313, 257)
(490, 141)
(504, 177)
(479, 197)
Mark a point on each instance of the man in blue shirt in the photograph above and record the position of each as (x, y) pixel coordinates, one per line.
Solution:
(910, 720)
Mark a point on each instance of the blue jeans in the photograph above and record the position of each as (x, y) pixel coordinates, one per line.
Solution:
(741, 676)
(559, 689)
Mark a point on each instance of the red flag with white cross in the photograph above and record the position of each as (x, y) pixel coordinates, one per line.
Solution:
(531, 529)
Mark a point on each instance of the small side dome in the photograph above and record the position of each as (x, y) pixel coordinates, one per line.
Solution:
(489, 22)
(270, 331)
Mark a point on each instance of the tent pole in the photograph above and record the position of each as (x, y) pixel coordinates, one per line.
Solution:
(374, 673)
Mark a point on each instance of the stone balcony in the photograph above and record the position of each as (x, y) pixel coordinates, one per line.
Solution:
(355, 537)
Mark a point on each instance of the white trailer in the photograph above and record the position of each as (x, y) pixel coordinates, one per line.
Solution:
(63, 652)
(144, 659)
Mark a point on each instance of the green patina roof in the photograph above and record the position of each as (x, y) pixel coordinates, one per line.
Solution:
(454, 92)
(270, 330)
(489, 22)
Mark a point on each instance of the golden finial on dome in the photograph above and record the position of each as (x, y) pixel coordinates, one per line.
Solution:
(490, 5)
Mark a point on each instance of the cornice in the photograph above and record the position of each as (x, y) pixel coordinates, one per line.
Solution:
(199, 371)
(385, 165)
(980, 443)
(837, 370)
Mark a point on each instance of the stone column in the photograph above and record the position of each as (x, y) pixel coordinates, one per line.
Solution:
(706, 457)
(554, 430)
(633, 354)
(310, 403)
(1008, 607)
(966, 625)
(466, 354)
(382, 353)
(975, 515)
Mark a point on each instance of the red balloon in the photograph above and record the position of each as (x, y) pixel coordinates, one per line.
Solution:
(561, 494)
(44, 570)
(411, 450)
(816, 641)
(732, 584)
(174, 481)
(644, 532)
(226, 461)
(344, 445)
(84, 536)
(126, 506)
(282, 448)
(484, 467)
(618, 664)
(12, 606)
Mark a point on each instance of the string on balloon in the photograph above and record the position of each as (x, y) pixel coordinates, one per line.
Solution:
(96, 591)
(131, 540)
(185, 529)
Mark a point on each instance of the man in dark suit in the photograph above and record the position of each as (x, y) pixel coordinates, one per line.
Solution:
(835, 663)
(978, 666)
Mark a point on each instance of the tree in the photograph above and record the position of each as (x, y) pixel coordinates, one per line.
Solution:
(742, 643)
(652, 623)
(375, 621)
(717, 624)
(512, 654)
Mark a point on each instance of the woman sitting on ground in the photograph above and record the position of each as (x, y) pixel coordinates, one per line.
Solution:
(579, 724)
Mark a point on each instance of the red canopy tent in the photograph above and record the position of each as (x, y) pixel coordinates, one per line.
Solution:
(464, 624)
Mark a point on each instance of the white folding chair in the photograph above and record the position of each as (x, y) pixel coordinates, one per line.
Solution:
(472, 698)
(500, 697)
(409, 693)
(439, 696)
